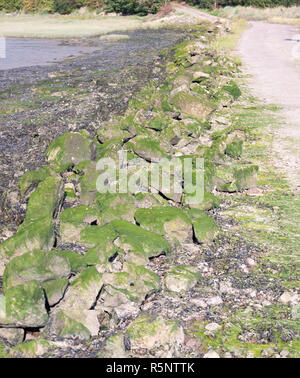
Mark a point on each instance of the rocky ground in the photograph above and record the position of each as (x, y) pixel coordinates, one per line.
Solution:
(40, 103)
(142, 274)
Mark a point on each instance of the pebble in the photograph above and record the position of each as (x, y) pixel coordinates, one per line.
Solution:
(211, 354)
(214, 301)
(213, 327)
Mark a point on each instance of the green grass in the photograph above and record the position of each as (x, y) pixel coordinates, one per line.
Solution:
(281, 15)
(227, 42)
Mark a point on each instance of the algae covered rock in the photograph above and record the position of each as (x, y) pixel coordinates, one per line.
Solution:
(24, 306)
(111, 130)
(131, 285)
(37, 235)
(77, 262)
(246, 178)
(61, 325)
(41, 266)
(55, 290)
(192, 106)
(30, 180)
(149, 333)
(69, 149)
(181, 278)
(74, 219)
(13, 336)
(115, 206)
(80, 298)
(148, 149)
(31, 349)
(115, 347)
(122, 238)
(139, 244)
(205, 229)
(171, 222)
(45, 200)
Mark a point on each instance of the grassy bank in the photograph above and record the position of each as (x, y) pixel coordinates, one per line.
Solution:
(280, 15)
(57, 26)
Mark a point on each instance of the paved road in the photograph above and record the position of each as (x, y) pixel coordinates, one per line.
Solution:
(271, 54)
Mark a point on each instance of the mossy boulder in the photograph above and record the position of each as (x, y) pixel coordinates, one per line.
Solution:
(150, 334)
(81, 296)
(13, 336)
(181, 278)
(101, 240)
(76, 261)
(235, 148)
(113, 130)
(74, 219)
(55, 290)
(61, 325)
(115, 347)
(114, 206)
(45, 200)
(171, 222)
(30, 180)
(246, 178)
(38, 235)
(148, 149)
(87, 183)
(32, 349)
(122, 238)
(68, 150)
(205, 229)
(41, 266)
(24, 306)
(139, 244)
(192, 106)
(133, 283)
(209, 202)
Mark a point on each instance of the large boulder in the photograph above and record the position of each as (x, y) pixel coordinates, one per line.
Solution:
(171, 222)
(69, 149)
(181, 278)
(40, 266)
(24, 306)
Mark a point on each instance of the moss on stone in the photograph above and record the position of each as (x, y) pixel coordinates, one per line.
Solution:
(181, 278)
(25, 306)
(55, 290)
(66, 327)
(205, 229)
(74, 219)
(169, 221)
(77, 262)
(246, 178)
(30, 180)
(68, 150)
(37, 265)
(38, 235)
(45, 200)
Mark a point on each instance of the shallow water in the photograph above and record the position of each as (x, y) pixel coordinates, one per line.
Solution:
(26, 52)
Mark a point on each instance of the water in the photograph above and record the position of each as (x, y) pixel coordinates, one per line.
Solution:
(26, 52)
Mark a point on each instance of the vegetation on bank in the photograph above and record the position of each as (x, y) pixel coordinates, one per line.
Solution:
(126, 7)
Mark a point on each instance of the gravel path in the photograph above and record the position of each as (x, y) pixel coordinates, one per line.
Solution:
(271, 54)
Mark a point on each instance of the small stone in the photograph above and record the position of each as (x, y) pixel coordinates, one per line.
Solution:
(284, 353)
(214, 301)
(212, 327)
(211, 354)
(288, 297)
(12, 335)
